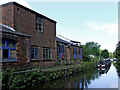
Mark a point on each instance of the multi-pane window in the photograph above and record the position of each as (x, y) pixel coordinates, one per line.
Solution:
(34, 52)
(79, 52)
(61, 48)
(8, 50)
(46, 53)
(74, 50)
(39, 24)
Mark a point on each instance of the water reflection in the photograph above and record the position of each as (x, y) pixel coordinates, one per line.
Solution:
(83, 80)
(117, 64)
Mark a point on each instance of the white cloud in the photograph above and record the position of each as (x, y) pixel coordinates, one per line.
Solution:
(109, 46)
(111, 28)
(22, 2)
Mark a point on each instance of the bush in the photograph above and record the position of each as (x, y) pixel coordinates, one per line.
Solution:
(13, 80)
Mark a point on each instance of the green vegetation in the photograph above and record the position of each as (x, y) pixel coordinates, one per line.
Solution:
(91, 51)
(105, 53)
(83, 78)
(116, 54)
(18, 80)
(111, 55)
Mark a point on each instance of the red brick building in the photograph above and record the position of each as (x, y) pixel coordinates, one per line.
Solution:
(29, 39)
(40, 29)
(14, 48)
(72, 52)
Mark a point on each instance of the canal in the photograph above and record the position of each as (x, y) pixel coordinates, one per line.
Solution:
(103, 78)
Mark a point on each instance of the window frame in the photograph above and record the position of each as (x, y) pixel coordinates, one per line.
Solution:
(61, 47)
(41, 23)
(9, 49)
(48, 53)
(34, 51)
(75, 52)
(80, 52)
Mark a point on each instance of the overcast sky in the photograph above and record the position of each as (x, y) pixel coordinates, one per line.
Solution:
(81, 21)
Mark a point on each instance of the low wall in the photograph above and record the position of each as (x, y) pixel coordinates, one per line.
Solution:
(22, 79)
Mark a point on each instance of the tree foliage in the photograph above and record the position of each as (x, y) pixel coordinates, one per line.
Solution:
(110, 55)
(105, 53)
(90, 48)
(117, 51)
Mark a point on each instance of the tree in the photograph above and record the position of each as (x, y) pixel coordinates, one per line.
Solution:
(105, 53)
(95, 51)
(116, 53)
(110, 55)
(86, 52)
(90, 48)
(118, 50)
(100, 50)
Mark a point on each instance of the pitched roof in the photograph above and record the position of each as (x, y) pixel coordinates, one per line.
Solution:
(7, 29)
(15, 3)
(65, 42)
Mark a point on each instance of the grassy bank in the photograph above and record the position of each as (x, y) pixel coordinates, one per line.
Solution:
(17, 80)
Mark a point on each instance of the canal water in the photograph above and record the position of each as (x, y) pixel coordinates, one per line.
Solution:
(103, 78)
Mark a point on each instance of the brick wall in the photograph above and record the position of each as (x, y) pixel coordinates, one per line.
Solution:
(8, 15)
(22, 54)
(24, 20)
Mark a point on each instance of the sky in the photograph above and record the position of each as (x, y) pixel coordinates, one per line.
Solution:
(82, 21)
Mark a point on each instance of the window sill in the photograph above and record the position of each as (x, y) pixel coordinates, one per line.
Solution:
(45, 60)
(34, 60)
(8, 60)
(39, 31)
(75, 58)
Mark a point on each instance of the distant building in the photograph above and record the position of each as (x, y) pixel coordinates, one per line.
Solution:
(72, 52)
